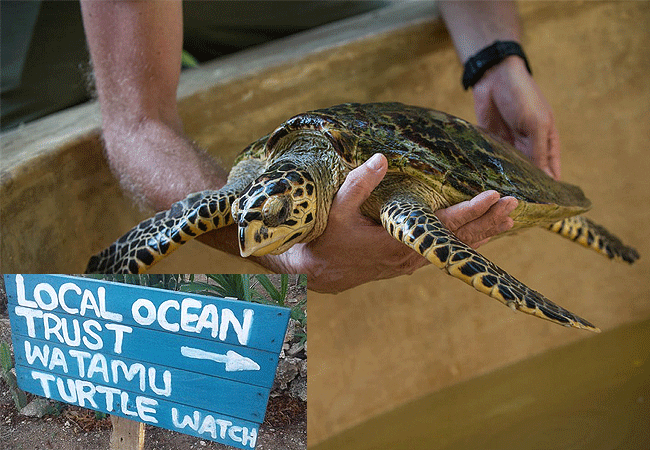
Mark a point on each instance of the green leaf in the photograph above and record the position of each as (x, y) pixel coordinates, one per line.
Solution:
(245, 282)
(187, 60)
(199, 286)
(284, 286)
(234, 285)
(19, 396)
(132, 279)
(302, 336)
(228, 284)
(298, 315)
(172, 282)
(271, 289)
(5, 357)
(144, 279)
(95, 276)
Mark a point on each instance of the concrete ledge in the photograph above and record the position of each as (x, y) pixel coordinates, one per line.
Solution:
(58, 130)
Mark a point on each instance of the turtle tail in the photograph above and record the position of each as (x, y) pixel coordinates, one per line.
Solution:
(153, 239)
(585, 232)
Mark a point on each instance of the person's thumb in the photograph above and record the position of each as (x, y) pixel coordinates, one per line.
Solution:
(360, 182)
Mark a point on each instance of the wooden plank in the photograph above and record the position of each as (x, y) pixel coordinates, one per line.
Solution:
(190, 363)
(208, 392)
(96, 294)
(130, 343)
(127, 434)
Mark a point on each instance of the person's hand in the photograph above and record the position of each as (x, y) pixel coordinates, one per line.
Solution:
(509, 103)
(475, 221)
(353, 249)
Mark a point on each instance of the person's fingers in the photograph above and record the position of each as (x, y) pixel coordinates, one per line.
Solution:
(359, 184)
(496, 220)
(554, 153)
(509, 103)
(459, 214)
(479, 243)
(543, 149)
(536, 137)
(489, 117)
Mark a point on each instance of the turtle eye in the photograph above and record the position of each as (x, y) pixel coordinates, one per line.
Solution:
(277, 187)
(276, 210)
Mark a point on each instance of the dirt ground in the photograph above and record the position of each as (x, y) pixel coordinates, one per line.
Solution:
(75, 428)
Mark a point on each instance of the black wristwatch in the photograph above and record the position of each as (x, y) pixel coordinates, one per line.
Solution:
(490, 56)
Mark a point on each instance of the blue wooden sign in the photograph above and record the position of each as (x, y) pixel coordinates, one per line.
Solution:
(195, 364)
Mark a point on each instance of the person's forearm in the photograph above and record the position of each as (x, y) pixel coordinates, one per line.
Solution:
(157, 165)
(473, 25)
(136, 48)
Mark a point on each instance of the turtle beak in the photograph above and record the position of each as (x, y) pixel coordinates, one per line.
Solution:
(255, 239)
(251, 239)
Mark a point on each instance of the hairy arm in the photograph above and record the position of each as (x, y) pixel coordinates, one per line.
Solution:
(474, 25)
(136, 52)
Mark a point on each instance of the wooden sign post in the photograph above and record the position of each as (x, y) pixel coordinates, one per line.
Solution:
(195, 364)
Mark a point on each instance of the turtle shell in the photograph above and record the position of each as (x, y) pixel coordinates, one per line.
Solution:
(456, 158)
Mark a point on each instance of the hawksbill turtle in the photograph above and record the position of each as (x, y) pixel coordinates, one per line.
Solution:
(280, 190)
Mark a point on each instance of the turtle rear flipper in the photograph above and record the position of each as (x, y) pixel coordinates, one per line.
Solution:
(415, 224)
(585, 232)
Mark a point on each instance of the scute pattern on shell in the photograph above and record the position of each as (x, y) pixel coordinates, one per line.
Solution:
(436, 145)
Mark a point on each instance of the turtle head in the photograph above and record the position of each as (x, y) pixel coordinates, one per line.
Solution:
(277, 210)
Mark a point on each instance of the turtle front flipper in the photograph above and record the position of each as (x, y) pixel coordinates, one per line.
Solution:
(585, 232)
(155, 238)
(416, 225)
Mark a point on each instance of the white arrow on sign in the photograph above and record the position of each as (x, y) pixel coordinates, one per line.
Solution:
(233, 360)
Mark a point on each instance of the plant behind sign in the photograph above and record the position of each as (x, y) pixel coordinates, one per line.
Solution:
(6, 363)
(242, 286)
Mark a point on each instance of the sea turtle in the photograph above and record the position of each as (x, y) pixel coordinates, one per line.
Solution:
(281, 187)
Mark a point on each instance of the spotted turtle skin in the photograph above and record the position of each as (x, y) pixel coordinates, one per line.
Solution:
(281, 187)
